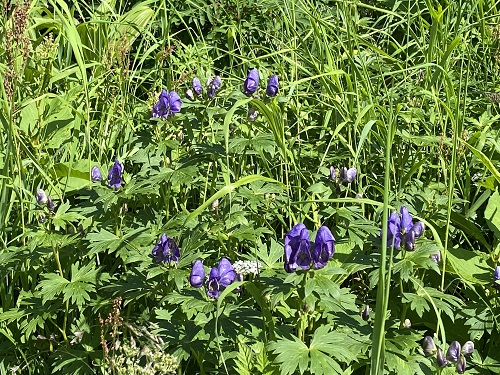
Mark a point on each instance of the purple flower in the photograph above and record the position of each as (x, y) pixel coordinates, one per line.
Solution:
(175, 102)
(251, 83)
(95, 174)
(324, 247)
(453, 352)
(461, 365)
(41, 197)
(115, 175)
(496, 278)
(197, 276)
(50, 204)
(220, 278)
(436, 257)
(168, 104)
(429, 346)
(440, 359)
(406, 220)
(333, 173)
(161, 108)
(189, 94)
(410, 241)
(166, 250)
(348, 175)
(272, 86)
(418, 228)
(213, 86)
(394, 230)
(197, 88)
(252, 114)
(297, 248)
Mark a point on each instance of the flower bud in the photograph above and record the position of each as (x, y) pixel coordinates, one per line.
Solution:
(41, 197)
(197, 88)
(436, 257)
(95, 174)
(50, 204)
(197, 276)
(272, 86)
(251, 83)
(407, 323)
(453, 352)
(468, 348)
(461, 365)
(440, 359)
(189, 94)
(333, 173)
(41, 218)
(365, 314)
(428, 346)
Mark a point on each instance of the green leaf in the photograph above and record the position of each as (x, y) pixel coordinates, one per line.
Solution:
(492, 214)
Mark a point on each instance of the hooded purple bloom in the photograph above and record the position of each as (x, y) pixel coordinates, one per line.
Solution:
(220, 278)
(213, 86)
(461, 365)
(197, 88)
(50, 204)
(166, 250)
(496, 277)
(175, 103)
(251, 83)
(324, 247)
(161, 108)
(406, 220)
(348, 175)
(418, 228)
(197, 276)
(272, 86)
(429, 346)
(410, 241)
(453, 352)
(297, 248)
(95, 174)
(440, 359)
(115, 175)
(167, 105)
(333, 173)
(41, 197)
(394, 230)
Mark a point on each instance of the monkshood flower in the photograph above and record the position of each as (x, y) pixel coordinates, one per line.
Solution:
(297, 248)
(197, 276)
(400, 227)
(220, 278)
(468, 348)
(272, 86)
(213, 86)
(115, 175)
(324, 247)
(161, 108)
(197, 88)
(333, 173)
(348, 175)
(453, 352)
(496, 278)
(429, 346)
(50, 204)
(168, 104)
(41, 197)
(461, 365)
(175, 103)
(440, 359)
(166, 250)
(95, 174)
(251, 83)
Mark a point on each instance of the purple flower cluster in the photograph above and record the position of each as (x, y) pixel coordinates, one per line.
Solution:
(220, 277)
(400, 228)
(213, 85)
(455, 353)
(166, 250)
(45, 200)
(298, 248)
(168, 104)
(346, 174)
(251, 84)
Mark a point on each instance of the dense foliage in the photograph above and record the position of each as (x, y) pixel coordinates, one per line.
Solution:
(249, 187)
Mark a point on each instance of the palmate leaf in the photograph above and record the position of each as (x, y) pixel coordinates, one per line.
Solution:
(322, 354)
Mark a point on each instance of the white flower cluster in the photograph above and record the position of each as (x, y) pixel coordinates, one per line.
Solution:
(246, 267)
